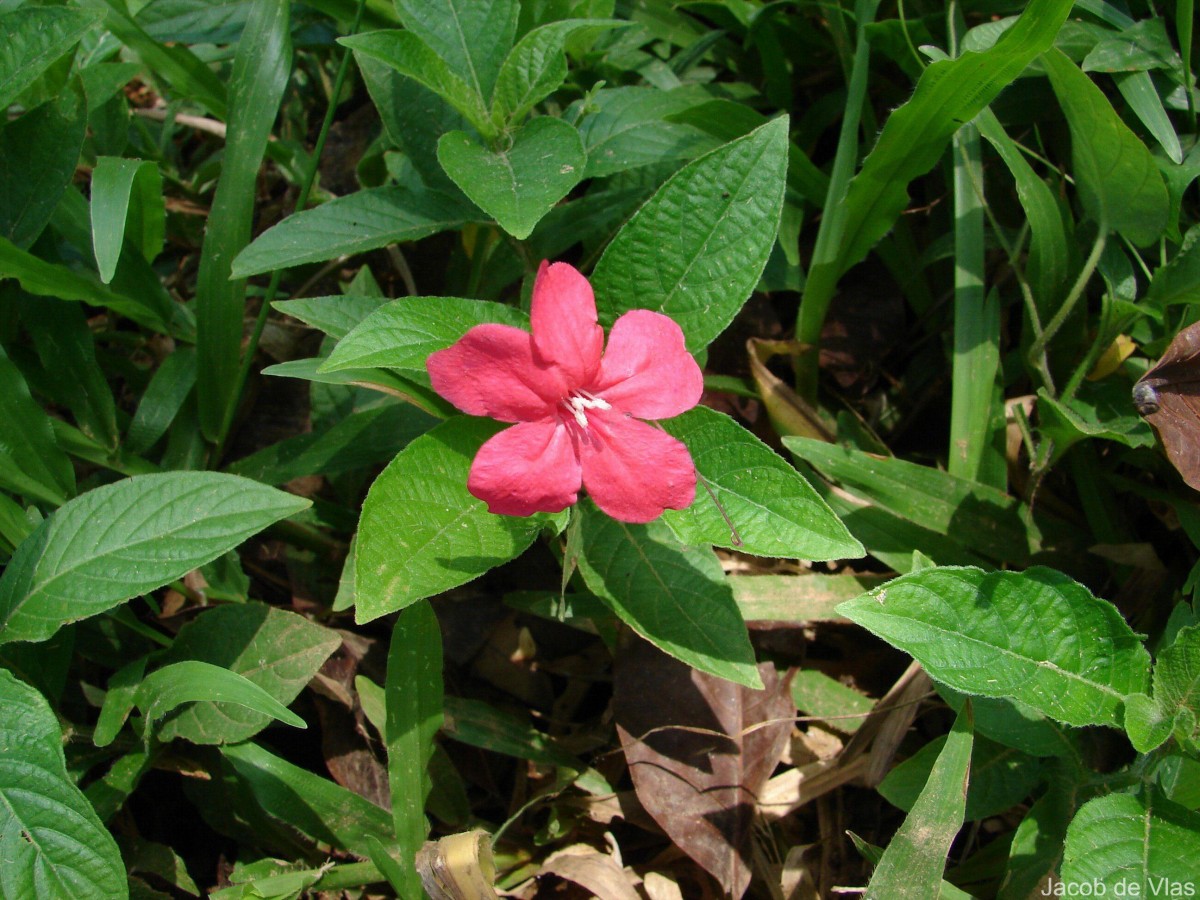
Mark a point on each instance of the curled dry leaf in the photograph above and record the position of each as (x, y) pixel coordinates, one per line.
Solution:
(700, 749)
(1168, 397)
(458, 867)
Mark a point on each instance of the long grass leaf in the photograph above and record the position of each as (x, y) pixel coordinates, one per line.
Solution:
(260, 73)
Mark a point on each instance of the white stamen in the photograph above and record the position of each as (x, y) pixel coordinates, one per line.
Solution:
(581, 400)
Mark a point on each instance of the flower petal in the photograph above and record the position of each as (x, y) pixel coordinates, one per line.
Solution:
(566, 335)
(646, 369)
(633, 470)
(491, 372)
(531, 467)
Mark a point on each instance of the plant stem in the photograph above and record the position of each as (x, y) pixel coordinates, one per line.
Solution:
(1038, 348)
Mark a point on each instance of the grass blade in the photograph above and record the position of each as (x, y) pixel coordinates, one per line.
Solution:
(260, 73)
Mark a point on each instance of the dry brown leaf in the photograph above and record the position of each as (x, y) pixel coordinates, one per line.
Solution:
(592, 870)
(661, 886)
(699, 753)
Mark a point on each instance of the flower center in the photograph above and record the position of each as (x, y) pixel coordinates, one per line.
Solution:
(578, 401)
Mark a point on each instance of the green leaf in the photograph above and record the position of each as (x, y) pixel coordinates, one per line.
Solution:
(696, 249)
(410, 56)
(1146, 723)
(479, 724)
(414, 715)
(974, 516)
(260, 73)
(67, 349)
(1177, 676)
(775, 510)
(518, 184)
(537, 66)
(1140, 846)
(1035, 636)
(313, 805)
(161, 401)
(1098, 410)
(1001, 777)
(402, 334)
(126, 200)
(186, 682)
(362, 221)
(1179, 280)
(120, 697)
(189, 76)
(34, 38)
(413, 118)
(336, 315)
(1016, 725)
(38, 155)
(361, 439)
(135, 280)
(1048, 248)
(1118, 181)
(49, 280)
(676, 597)
(156, 528)
(1140, 93)
(627, 127)
(914, 861)
(53, 843)
(915, 136)
(1038, 841)
(472, 36)
(30, 461)
(278, 652)
(422, 533)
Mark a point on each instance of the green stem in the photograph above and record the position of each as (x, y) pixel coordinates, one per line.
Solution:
(1038, 348)
(823, 272)
(310, 174)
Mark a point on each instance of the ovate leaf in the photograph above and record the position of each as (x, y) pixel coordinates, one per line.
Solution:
(696, 249)
(537, 66)
(517, 185)
(1118, 181)
(362, 221)
(1139, 845)
(34, 37)
(421, 532)
(52, 844)
(185, 682)
(472, 36)
(774, 509)
(405, 52)
(155, 528)
(675, 597)
(1177, 676)
(1035, 636)
(402, 334)
(38, 154)
(278, 652)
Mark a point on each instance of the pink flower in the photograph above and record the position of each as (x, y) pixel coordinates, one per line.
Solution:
(574, 404)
